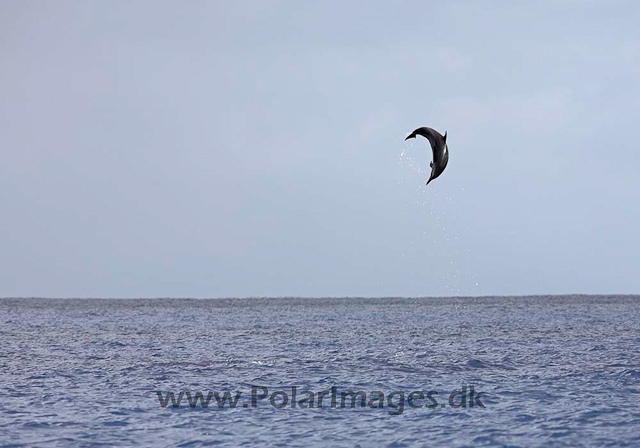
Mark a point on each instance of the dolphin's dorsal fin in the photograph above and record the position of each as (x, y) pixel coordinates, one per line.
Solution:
(445, 137)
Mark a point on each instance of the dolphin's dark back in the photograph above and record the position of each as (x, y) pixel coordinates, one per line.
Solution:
(434, 137)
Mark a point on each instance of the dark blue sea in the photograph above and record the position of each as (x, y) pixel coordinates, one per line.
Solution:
(392, 372)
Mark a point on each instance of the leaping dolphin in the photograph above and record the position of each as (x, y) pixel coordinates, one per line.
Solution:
(439, 147)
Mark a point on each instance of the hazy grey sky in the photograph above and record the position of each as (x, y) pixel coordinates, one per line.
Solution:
(212, 148)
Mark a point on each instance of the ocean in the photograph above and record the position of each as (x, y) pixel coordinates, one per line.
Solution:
(353, 372)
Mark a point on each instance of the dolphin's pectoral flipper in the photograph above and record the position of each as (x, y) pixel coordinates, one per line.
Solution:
(430, 164)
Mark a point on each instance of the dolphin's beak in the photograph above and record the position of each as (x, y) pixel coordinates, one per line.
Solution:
(410, 136)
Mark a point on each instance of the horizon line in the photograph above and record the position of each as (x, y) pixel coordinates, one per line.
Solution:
(324, 297)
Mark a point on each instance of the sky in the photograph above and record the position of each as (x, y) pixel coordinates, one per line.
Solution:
(236, 149)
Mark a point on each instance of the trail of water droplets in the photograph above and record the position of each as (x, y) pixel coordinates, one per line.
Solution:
(450, 254)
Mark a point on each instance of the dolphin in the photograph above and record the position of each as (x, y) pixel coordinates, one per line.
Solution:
(439, 148)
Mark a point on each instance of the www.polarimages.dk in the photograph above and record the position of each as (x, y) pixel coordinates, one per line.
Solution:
(296, 398)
